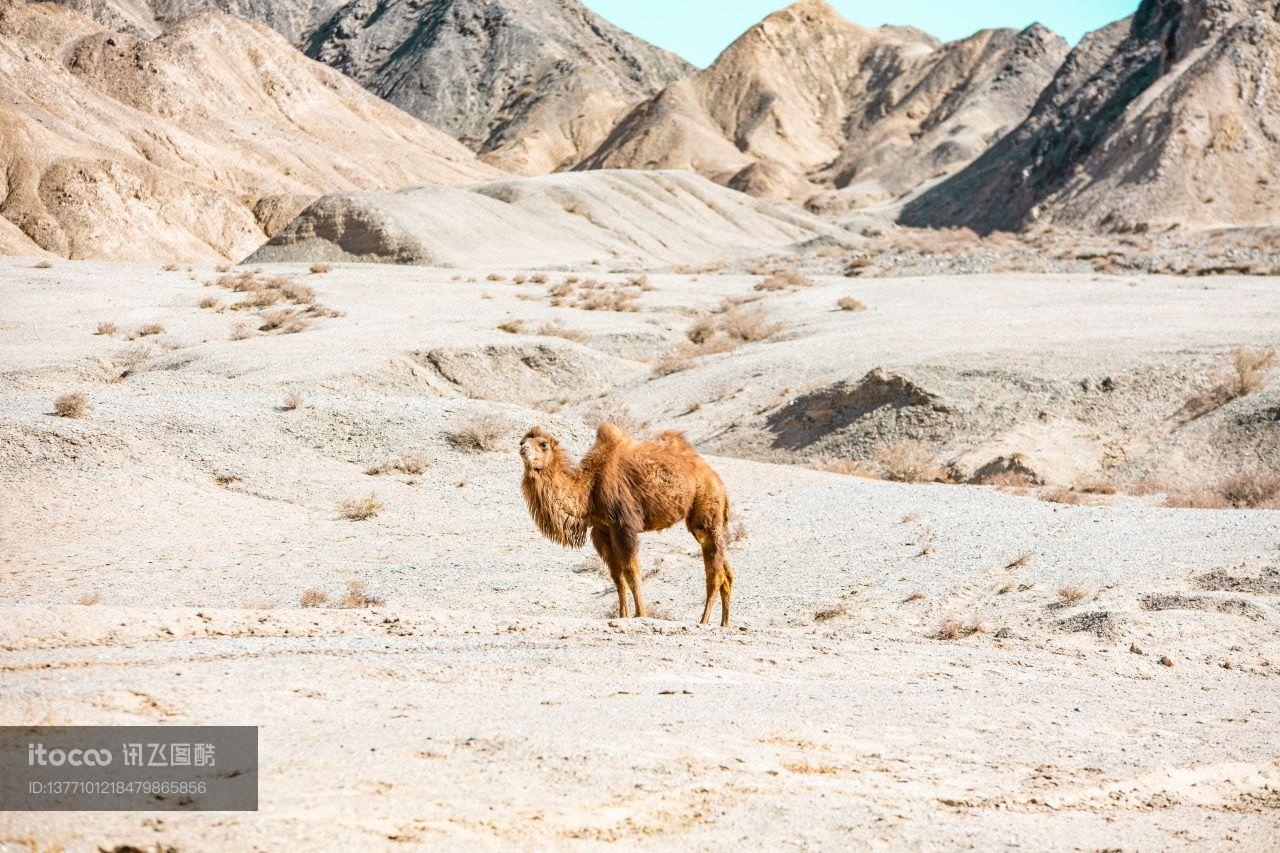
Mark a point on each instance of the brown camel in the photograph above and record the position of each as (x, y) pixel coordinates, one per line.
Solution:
(623, 488)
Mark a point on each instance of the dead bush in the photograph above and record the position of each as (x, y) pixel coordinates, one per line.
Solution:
(407, 463)
(1251, 491)
(313, 598)
(848, 303)
(359, 597)
(784, 280)
(557, 329)
(954, 629)
(361, 509)
(738, 533)
(826, 614)
(106, 328)
(910, 462)
(512, 327)
(480, 435)
(320, 269)
(147, 331)
(42, 265)
(89, 599)
(209, 302)
(241, 332)
(1245, 373)
(1023, 559)
(1062, 495)
(1072, 594)
(848, 467)
(749, 325)
(72, 405)
(291, 401)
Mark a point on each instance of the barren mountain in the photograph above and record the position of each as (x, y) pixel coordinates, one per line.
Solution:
(807, 100)
(649, 218)
(1169, 118)
(533, 85)
(195, 145)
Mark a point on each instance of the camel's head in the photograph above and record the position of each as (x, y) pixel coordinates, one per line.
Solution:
(538, 450)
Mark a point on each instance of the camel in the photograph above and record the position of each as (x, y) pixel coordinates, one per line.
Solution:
(623, 488)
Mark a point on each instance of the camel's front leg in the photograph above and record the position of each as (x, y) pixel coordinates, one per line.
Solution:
(626, 549)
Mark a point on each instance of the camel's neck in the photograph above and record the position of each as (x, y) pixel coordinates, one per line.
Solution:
(558, 498)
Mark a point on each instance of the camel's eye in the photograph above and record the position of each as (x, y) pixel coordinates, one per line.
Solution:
(545, 445)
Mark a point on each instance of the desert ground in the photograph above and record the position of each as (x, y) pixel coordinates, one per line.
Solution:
(1035, 663)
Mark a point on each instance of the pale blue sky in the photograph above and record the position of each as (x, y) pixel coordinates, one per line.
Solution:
(699, 29)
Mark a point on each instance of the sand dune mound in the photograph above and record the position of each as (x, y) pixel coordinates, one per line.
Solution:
(189, 146)
(820, 102)
(1165, 119)
(614, 217)
(533, 85)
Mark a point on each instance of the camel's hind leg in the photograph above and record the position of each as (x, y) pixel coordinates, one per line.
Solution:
(602, 539)
(626, 550)
(719, 575)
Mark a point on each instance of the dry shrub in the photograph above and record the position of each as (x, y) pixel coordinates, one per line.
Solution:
(291, 401)
(954, 629)
(313, 598)
(170, 268)
(225, 478)
(90, 598)
(916, 595)
(617, 300)
(610, 412)
(1072, 594)
(1252, 491)
(147, 331)
(1023, 559)
(784, 280)
(43, 265)
(1244, 374)
(361, 509)
(1097, 485)
(493, 276)
(241, 332)
(512, 327)
(209, 302)
(848, 303)
(106, 328)
(72, 405)
(319, 269)
(849, 467)
(738, 533)
(675, 362)
(358, 597)
(557, 329)
(1006, 480)
(910, 462)
(1196, 498)
(538, 278)
(1061, 495)
(296, 291)
(479, 435)
(128, 362)
(407, 463)
(748, 325)
(826, 614)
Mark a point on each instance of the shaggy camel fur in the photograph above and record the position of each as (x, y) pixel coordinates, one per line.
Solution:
(623, 488)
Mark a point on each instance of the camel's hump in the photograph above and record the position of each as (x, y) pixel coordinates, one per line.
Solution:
(612, 434)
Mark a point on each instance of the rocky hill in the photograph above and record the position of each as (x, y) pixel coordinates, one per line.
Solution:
(195, 145)
(533, 85)
(807, 101)
(1169, 118)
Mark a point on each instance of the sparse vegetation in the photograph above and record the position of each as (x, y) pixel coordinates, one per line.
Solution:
(407, 463)
(738, 533)
(848, 303)
(1238, 491)
(915, 595)
(43, 265)
(748, 325)
(954, 629)
(910, 462)
(1245, 373)
(209, 302)
(1023, 559)
(361, 509)
(480, 435)
(826, 614)
(71, 405)
(241, 332)
(106, 328)
(291, 401)
(359, 597)
(926, 543)
(89, 599)
(320, 269)
(784, 280)
(314, 598)
(149, 330)
(1072, 594)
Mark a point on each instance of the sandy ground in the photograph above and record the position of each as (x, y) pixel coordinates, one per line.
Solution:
(493, 701)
